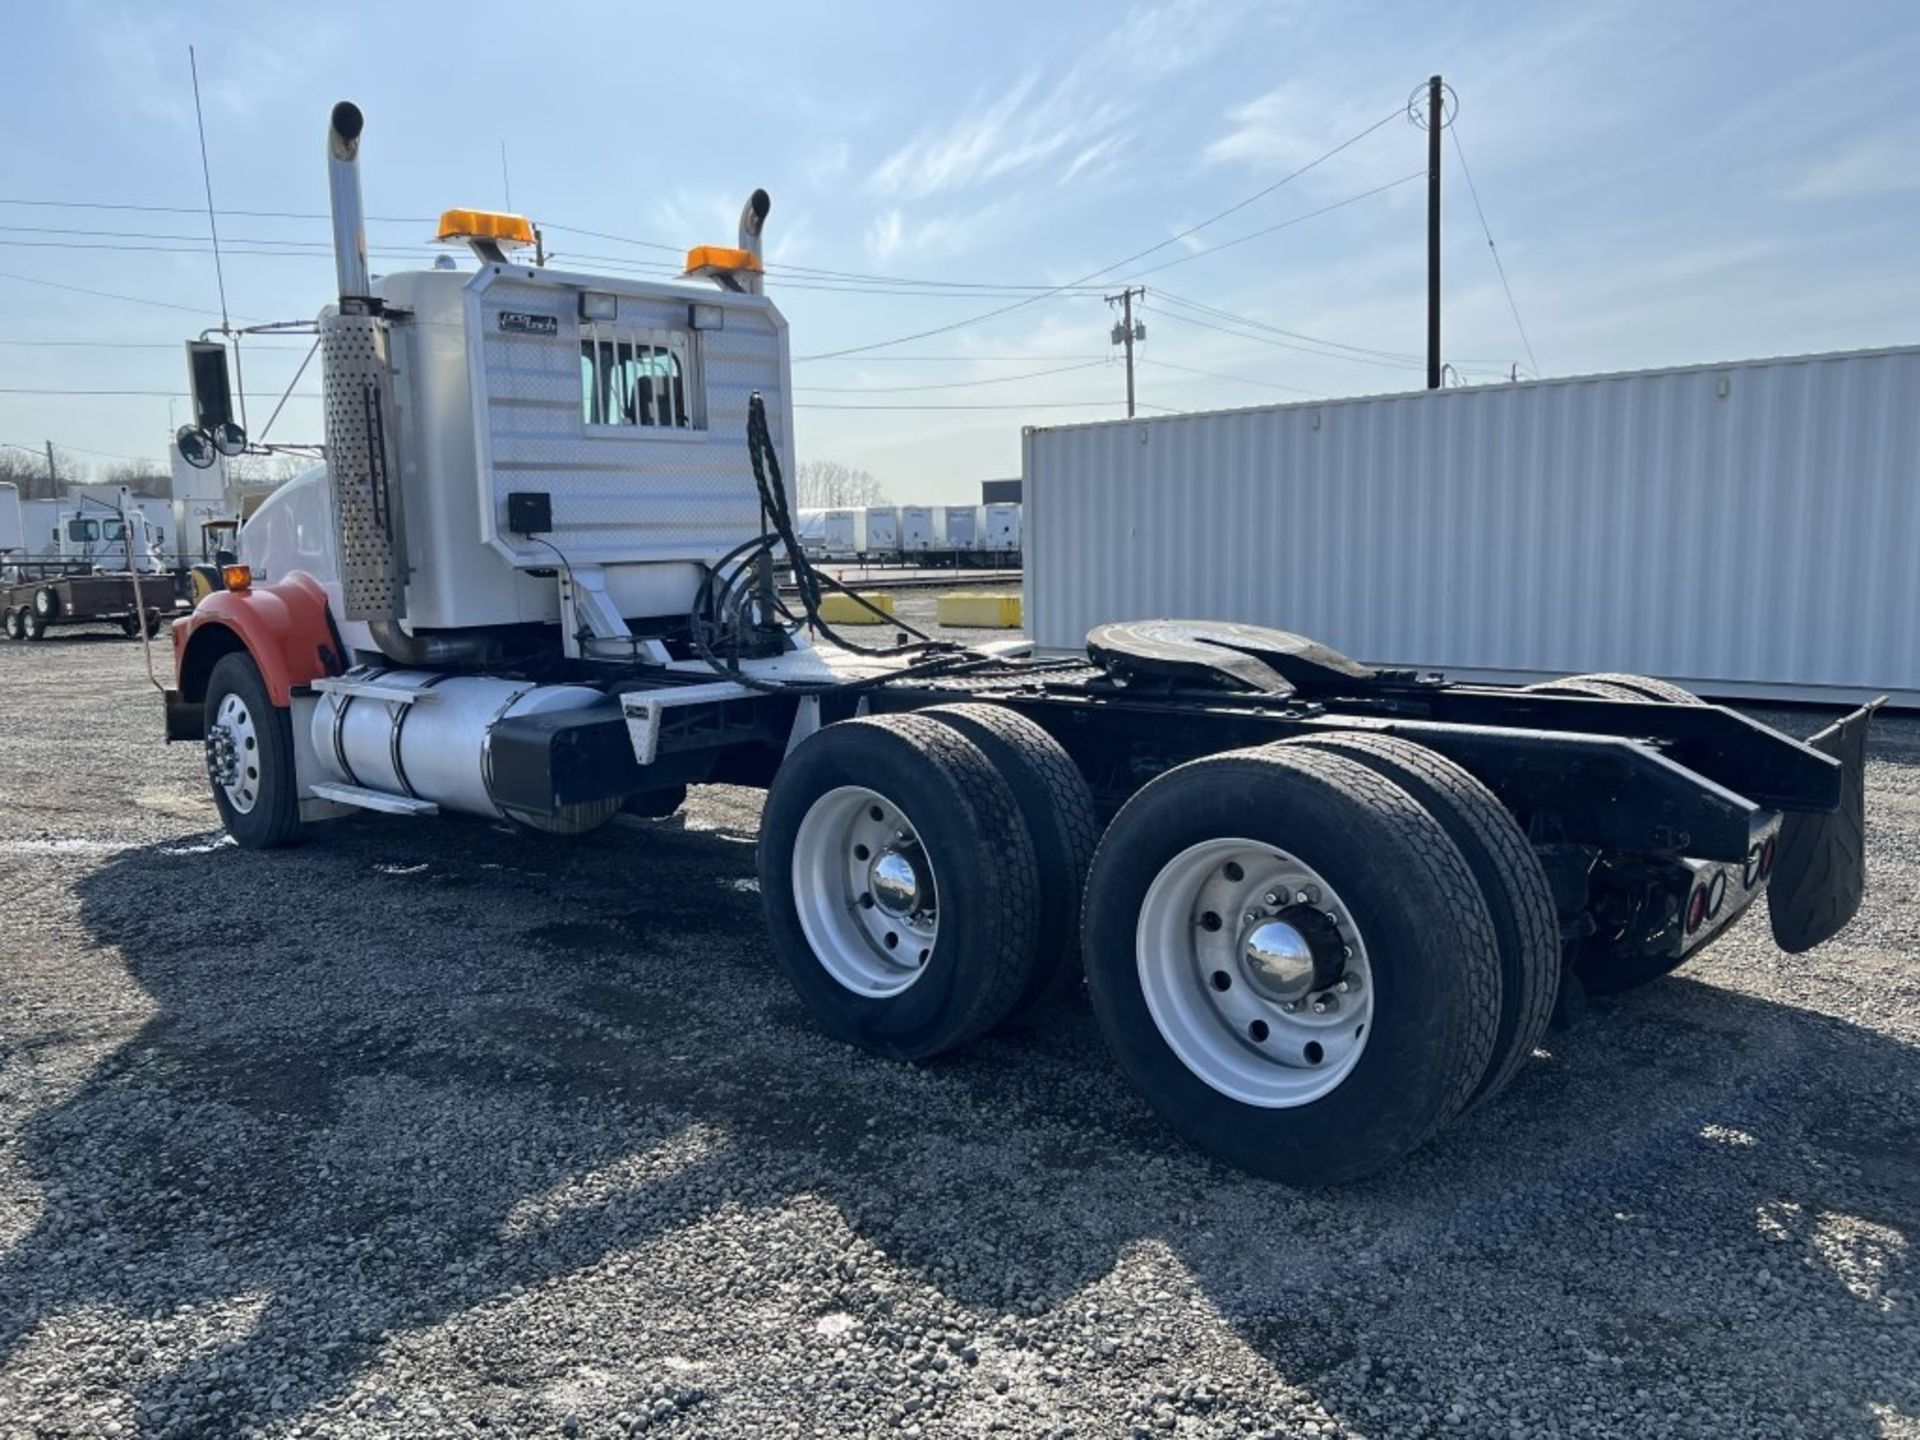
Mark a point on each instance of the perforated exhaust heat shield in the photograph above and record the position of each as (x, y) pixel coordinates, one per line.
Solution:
(362, 467)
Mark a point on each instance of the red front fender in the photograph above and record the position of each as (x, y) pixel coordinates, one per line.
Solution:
(283, 626)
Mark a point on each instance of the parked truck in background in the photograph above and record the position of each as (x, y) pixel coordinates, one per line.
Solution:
(1327, 907)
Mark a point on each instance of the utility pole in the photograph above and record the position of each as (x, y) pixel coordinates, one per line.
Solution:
(53, 478)
(1435, 102)
(1126, 332)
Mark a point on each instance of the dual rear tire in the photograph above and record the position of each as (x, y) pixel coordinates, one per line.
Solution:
(921, 874)
(1308, 957)
(1311, 956)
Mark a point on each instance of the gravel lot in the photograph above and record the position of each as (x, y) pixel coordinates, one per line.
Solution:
(438, 1129)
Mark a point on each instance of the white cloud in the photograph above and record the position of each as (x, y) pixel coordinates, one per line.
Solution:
(893, 232)
(1880, 164)
(1031, 122)
(240, 74)
(1005, 137)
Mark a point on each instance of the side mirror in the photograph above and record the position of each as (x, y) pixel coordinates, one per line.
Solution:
(195, 446)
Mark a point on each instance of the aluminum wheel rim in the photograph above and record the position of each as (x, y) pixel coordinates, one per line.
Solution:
(860, 876)
(233, 754)
(1220, 973)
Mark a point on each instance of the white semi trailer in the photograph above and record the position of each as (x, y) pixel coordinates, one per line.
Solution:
(1331, 906)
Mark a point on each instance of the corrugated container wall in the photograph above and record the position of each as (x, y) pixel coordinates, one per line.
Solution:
(1747, 529)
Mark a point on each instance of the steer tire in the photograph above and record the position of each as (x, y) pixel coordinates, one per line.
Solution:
(1411, 897)
(1061, 822)
(1519, 899)
(938, 785)
(273, 817)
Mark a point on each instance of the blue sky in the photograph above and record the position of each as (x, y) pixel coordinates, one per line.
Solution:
(1667, 183)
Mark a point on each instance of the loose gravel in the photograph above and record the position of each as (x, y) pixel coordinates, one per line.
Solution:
(436, 1128)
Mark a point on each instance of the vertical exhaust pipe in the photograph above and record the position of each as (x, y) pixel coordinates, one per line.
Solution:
(753, 220)
(349, 214)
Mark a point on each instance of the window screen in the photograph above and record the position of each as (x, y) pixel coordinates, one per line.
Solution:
(634, 379)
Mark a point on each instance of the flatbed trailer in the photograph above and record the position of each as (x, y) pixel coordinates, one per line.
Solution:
(50, 597)
(1320, 909)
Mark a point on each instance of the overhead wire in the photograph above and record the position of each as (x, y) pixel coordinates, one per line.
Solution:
(1486, 230)
(1116, 265)
(1236, 379)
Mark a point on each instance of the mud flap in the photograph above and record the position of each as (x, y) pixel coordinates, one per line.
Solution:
(1820, 873)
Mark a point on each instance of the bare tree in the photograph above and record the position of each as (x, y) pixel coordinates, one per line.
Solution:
(823, 484)
(254, 469)
(142, 477)
(28, 469)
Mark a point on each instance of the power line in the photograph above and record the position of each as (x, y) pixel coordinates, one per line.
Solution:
(1495, 249)
(195, 210)
(1118, 264)
(126, 345)
(1283, 225)
(1252, 323)
(110, 295)
(1029, 405)
(1237, 379)
(945, 384)
(1287, 345)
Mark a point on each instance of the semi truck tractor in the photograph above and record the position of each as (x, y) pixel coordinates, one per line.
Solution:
(1320, 909)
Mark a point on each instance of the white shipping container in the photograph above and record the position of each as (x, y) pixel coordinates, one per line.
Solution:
(41, 521)
(1000, 527)
(1746, 529)
(922, 528)
(883, 529)
(963, 527)
(845, 534)
(810, 529)
(13, 528)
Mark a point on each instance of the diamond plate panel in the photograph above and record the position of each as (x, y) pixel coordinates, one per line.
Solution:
(360, 450)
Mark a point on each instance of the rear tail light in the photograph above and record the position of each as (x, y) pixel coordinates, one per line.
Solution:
(1696, 908)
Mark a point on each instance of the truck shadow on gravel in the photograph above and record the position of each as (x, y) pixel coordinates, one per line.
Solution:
(407, 1072)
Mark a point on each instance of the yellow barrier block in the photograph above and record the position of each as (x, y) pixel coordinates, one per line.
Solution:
(979, 611)
(838, 609)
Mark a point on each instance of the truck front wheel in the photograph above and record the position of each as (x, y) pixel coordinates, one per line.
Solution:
(249, 745)
(900, 885)
(1289, 957)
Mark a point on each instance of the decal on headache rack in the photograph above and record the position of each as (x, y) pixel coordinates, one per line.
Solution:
(518, 322)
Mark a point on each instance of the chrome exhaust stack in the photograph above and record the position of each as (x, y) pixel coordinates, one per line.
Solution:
(362, 456)
(349, 212)
(753, 220)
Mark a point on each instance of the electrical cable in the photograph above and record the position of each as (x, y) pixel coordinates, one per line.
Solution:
(1518, 324)
(1236, 379)
(1118, 264)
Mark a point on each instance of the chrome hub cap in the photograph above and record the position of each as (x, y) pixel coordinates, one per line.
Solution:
(233, 754)
(894, 882)
(864, 891)
(1278, 961)
(1254, 973)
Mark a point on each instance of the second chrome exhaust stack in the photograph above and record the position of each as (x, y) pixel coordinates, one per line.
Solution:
(349, 214)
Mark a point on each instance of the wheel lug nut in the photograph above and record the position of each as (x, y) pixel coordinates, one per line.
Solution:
(1345, 987)
(1252, 915)
(1272, 897)
(1308, 896)
(1324, 1004)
